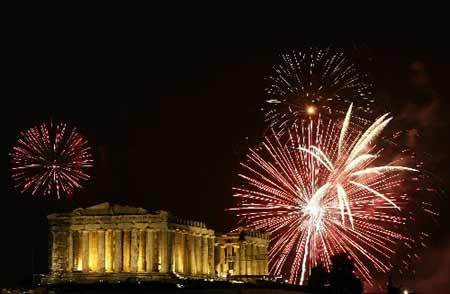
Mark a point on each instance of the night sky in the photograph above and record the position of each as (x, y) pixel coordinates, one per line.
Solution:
(166, 94)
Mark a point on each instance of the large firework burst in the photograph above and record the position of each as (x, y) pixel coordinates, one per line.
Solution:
(50, 158)
(314, 79)
(319, 190)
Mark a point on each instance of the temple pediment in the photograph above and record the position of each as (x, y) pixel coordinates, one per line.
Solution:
(107, 208)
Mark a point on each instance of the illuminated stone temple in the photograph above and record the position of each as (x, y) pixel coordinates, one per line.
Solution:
(242, 254)
(109, 242)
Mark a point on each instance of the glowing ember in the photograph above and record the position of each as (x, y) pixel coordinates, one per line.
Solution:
(311, 110)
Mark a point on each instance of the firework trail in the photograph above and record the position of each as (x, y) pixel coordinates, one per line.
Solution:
(50, 158)
(319, 191)
(311, 80)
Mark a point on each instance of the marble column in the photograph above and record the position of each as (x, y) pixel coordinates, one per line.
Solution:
(226, 254)
(236, 261)
(141, 259)
(171, 250)
(253, 258)
(258, 260)
(191, 251)
(266, 260)
(118, 265)
(222, 258)
(179, 252)
(109, 251)
(211, 256)
(101, 251)
(205, 248)
(182, 252)
(163, 251)
(76, 250)
(126, 250)
(70, 251)
(156, 251)
(198, 253)
(261, 259)
(177, 248)
(85, 256)
(93, 251)
(134, 250)
(150, 248)
(243, 256)
(51, 250)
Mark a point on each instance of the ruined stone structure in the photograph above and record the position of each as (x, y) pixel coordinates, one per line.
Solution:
(242, 254)
(105, 242)
(115, 243)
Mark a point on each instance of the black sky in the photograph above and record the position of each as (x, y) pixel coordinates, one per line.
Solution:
(166, 93)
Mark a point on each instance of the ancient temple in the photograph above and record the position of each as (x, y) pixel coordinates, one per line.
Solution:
(109, 242)
(119, 242)
(242, 254)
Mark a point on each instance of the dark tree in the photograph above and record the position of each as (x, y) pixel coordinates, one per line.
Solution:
(342, 277)
(391, 289)
(318, 278)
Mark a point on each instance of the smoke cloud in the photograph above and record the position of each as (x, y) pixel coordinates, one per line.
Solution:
(434, 272)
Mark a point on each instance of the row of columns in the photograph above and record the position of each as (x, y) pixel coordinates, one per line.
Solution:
(117, 250)
(138, 250)
(243, 259)
(192, 253)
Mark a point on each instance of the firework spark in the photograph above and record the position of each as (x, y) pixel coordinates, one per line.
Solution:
(50, 158)
(318, 189)
(314, 78)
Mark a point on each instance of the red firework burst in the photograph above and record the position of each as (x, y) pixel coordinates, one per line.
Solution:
(324, 188)
(50, 158)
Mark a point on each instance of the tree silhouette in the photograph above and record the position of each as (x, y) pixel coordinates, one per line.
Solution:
(342, 277)
(318, 278)
(391, 289)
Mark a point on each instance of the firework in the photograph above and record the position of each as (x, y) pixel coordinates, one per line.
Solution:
(312, 81)
(50, 159)
(320, 190)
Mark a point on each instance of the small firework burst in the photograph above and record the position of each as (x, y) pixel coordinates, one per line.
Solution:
(314, 81)
(50, 159)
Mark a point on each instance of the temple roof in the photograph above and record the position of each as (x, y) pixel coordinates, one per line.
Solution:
(107, 208)
(241, 232)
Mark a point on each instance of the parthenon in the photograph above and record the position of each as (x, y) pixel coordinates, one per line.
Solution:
(113, 242)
